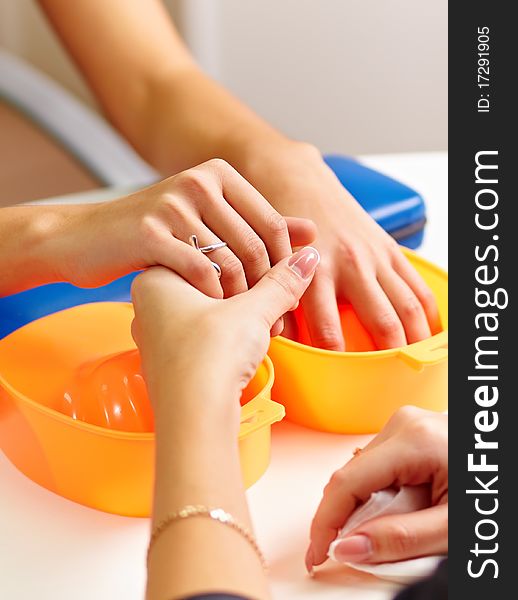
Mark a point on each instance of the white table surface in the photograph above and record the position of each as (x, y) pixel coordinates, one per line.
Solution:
(54, 549)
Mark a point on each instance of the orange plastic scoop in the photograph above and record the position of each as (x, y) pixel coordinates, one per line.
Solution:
(111, 393)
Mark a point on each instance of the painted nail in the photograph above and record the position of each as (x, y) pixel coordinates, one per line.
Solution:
(305, 261)
(309, 560)
(356, 548)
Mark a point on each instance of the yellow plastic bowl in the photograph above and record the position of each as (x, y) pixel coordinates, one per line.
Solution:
(357, 392)
(106, 469)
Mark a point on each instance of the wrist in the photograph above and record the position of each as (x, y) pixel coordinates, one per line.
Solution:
(76, 238)
(289, 175)
(288, 160)
(34, 232)
(207, 400)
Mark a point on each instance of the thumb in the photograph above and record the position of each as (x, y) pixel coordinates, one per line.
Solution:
(281, 287)
(396, 537)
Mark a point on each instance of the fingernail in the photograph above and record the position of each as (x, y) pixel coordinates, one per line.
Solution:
(356, 548)
(305, 261)
(309, 560)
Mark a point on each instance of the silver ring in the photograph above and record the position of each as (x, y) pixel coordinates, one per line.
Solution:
(212, 247)
(193, 240)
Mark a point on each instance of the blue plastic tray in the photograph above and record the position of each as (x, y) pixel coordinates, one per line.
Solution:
(396, 207)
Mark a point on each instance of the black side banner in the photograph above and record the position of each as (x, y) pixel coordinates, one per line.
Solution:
(483, 238)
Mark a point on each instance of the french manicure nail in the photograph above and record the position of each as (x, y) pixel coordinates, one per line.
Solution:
(309, 560)
(305, 261)
(356, 548)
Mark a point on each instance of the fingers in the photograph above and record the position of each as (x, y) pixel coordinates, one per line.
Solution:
(397, 537)
(302, 231)
(408, 308)
(420, 289)
(233, 278)
(278, 327)
(411, 450)
(322, 315)
(291, 330)
(242, 240)
(268, 224)
(377, 314)
(279, 290)
(235, 212)
(189, 263)
(347, 488)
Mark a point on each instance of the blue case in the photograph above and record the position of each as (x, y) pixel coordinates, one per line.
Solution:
(22, 308)
(396, 207)
(399, 209)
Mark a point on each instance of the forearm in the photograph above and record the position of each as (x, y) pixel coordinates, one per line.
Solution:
(150, 87)
(197, 462)
(192, 119)
(24, 257)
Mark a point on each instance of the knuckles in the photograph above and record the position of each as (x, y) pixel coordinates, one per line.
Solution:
(419, 426)
(406, 414)
(149, 231)
(338, 479)
(195, 182)
(328, 337)
(387, 326)
(411, 308)
(351, 256)
(398, 540)
(217, 164)
(427, 297)
(231, 267)
(254, 250)
(288, 282)
(200, 269)
(276, 225)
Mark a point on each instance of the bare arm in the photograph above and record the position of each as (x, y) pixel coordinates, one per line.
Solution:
(24, 233)
(176, 117)
(198, 463)
(194, 377)
(149, 86)
(92, 244)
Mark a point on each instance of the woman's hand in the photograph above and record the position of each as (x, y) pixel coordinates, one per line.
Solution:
(361, 264)
(412, 449)
(197, 355)
(90, 245)
(181, 331)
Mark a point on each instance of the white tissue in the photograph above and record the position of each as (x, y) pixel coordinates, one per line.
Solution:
(383, 503)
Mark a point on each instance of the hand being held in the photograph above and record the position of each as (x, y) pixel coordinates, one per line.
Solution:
(153, 227)
(412, 449)
(181, 330)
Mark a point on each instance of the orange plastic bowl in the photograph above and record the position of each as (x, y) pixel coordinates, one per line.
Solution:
(107, 469)
(357, 391)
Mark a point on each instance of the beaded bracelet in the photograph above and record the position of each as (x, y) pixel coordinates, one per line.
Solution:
(216, 514)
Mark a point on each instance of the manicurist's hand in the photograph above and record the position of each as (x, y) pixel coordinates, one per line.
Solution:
(361, 264)
(198, 353)
(89, 245)
(180, 329)
(412, 449)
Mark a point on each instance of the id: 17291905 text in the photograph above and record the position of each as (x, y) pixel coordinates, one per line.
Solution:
(483, 69)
